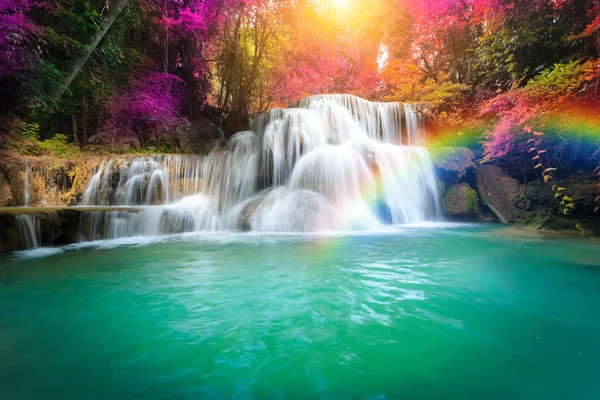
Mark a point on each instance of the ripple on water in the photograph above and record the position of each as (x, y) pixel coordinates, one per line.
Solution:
(445, 313)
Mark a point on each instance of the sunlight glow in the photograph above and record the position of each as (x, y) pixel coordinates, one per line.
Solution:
(383, 57)
(341, 3)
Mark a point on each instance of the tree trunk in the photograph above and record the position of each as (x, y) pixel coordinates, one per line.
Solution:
(79, 62)
(85, 120)
(74, 123)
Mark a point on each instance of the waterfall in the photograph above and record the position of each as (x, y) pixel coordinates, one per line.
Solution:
(193, 214)
(148, 180)
(29, 230)
(329, 162)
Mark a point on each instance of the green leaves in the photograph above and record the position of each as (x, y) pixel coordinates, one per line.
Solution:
(561, 78)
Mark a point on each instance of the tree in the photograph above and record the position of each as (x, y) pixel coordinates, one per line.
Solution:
(79, 62)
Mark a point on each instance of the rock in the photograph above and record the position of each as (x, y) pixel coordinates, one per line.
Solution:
(546, 221)
(499, 192)
(202, 136)
(5, 192)
(58, 226)
(248, 210)
(461, 201)
(583, 189)
(452, 164)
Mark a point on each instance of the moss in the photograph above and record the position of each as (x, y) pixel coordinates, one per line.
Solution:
(472, 201)
(452, 163)
(461, 200)
(546, 221)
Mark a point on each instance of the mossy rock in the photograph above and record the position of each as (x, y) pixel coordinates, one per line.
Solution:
(499, 192)
(546, 221)
(452, 164)
(461, 201)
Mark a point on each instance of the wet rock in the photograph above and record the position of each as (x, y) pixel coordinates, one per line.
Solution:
(452, 164)
(546, 221)
(248, 210)
(461, 201)
(54, 226)
(499, 192)
(202, 135)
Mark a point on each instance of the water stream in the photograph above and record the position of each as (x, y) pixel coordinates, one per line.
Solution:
(330, 162)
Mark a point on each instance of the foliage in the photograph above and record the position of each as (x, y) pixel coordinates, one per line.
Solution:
(405, 82)
(25, 139)
(513, 66)
(18, 34)
(149, 109)
(60, 145)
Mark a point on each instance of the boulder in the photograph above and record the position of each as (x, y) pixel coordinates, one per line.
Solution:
(461, 201)
(452, 164)
(248, 209)
(499, 193)
(202, 136)
(546, 221)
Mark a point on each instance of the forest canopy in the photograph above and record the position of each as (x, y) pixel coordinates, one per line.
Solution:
(490, 72)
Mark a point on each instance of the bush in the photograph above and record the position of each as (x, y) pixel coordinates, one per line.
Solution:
(60, 146)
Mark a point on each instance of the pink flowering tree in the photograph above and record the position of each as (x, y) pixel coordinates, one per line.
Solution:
(147, 112)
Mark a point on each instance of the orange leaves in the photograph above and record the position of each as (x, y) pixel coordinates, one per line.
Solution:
(589, 30)
(538, 166)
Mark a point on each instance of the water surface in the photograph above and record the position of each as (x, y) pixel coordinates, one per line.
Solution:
(468, 312)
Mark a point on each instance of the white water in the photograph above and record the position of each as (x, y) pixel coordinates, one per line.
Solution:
(149, 180)
(29, 230)
(330, 162)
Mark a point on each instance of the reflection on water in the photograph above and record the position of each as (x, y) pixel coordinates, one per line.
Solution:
(448, 311)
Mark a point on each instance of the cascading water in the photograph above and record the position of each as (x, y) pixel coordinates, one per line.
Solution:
(29, 230)
(150, 180)
(329, 162)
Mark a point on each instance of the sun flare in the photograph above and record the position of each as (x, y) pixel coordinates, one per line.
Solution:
(340, 3)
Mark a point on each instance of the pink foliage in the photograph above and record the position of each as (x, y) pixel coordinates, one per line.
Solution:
(513, 110)
(17, 32)
(334, 65)
(149, 108)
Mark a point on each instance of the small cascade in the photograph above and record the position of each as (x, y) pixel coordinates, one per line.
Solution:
(29, 230)
(26, 189)
(193, 214)
(329, 162)
(150, 180)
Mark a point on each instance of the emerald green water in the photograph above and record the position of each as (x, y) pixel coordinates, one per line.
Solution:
(462, 312)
